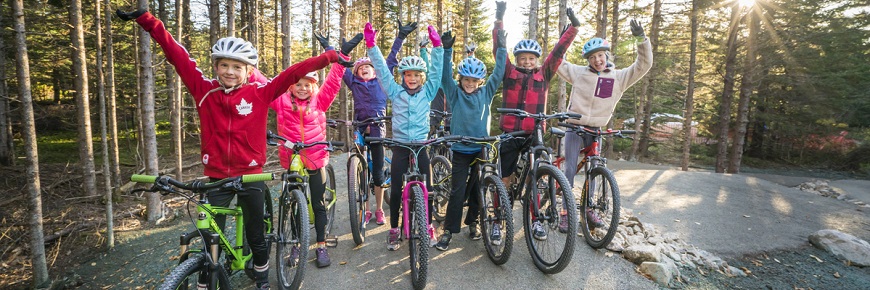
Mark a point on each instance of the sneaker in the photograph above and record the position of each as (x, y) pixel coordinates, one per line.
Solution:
(563, 223)
(294, 257)
(495, 236)
(368, 216)
(474, 232)
(444, 243)
(538, 231)
(322, 258)
(593, 220)
(379, 217)
(393, 243)
(262, 286)
(432, 239)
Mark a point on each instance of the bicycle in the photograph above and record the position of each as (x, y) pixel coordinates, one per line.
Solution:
(296, 213)
(415, 213)
(204, 263)
(547, 199)
(495, 206)
(605, 203)
(359, 177)
(441, 166)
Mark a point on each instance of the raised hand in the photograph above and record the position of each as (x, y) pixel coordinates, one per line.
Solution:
(347, 46)
(323, 40)
(572, 17)
(405, 30)
(369, 33)
(448, 39)
(501, 40)
(636, 29)
(435, 38)
(345, 62)
(127, 16)
(423, 41)
(500, 7)
(469, 48)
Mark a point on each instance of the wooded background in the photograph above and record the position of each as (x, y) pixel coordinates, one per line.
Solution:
(762, 82)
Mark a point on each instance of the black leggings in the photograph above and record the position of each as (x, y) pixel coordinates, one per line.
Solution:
(398, 167)
(317, 186)
(465, 187)
(252, 200)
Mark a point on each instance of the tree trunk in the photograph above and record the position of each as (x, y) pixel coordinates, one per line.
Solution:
(545, 42)
(231, 17)
(439, 15)
(175, 114)
(649, 84)
(614, 43)
(28, 132)
(465, 20)
(343, 102)
(254, 22)
(149, 136)
(562, 102)
(314, 27)
(399, 5)
(746, 87)
(690, 89)
(86, 143)
(277, 28)
(214, 17)
(286, 44)
(370, 10)
(601, 24)
(104, 142)
(727, 91)
(110, 96)
(6, 151)
(533, 20)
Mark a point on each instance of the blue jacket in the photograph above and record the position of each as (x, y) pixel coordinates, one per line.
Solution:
(471, 111)
(369, 100)
(410, 112)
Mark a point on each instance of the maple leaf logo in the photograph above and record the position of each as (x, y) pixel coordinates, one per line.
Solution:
(244, 107)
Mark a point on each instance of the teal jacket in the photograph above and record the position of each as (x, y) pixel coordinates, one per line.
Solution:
(471, 111)
(410, 112)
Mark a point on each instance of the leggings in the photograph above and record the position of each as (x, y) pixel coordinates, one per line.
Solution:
(317, 186)
(252, 200)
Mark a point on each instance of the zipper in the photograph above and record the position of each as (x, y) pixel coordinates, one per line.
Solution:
(518, 124)
(229, 134)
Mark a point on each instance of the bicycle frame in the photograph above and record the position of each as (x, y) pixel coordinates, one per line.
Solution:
(297, 177)
(206, 223)
(412, 177)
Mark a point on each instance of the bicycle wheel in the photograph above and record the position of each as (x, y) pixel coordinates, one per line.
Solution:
(357, 192)
(329, 197)
(496, 211)
(441, 185)
(604, 202)
(553, 247)
(418, 244)
(187, 273)
(292, 234)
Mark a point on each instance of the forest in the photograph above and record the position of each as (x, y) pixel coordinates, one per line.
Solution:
(86, 99)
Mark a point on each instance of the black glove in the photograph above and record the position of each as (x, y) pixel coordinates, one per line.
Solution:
(572, 17)
(323, 40)
(636, 29)
(501, 40)
(447, 40)
(564, 29)
(127, 16)
(500, 7)
(345, 63)
(347, 46)
(407, 29)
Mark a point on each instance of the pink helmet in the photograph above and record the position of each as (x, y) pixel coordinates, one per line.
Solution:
(361, 62)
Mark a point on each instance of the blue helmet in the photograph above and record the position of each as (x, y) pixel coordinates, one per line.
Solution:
(528, 45)
(472, 67)
(594, 45)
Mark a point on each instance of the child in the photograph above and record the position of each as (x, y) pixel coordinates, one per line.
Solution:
(525, 87)
(369, 101)
(596, 90)
(470, 107)
(233, 115)
(410, 102)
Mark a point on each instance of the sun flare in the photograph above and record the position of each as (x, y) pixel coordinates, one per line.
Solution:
(746, 3)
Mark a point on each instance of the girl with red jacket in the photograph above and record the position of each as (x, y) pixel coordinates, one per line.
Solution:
(233, 115)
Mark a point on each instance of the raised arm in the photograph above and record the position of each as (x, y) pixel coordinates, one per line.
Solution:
(434, 74)
(495, 79)
(292, 74)
(385, 77)
(448, 85)
(331, 86)
(555, 57)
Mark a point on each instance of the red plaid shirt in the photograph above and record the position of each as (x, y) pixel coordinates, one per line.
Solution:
(528, 91)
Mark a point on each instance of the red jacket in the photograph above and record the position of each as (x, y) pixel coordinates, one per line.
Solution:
(305, 120)
(233, 123)
(528, 91)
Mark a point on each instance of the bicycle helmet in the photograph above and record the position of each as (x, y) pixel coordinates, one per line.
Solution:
(528, 45)
(236, 49)
(594, 45)
(472, 67)
(412, 63)
(311, 76)
(361, 62)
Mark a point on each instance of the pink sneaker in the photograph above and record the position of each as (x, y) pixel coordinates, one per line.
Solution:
(379, 217)
(432, 239)
(368, 216)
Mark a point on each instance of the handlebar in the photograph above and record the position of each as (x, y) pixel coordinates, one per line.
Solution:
(580, 129)
(422, 143)
(539, 116)
(270, 140)
(439, 114)
(164, 183)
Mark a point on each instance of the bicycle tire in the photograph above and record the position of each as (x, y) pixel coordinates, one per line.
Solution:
(357, 191)
(186, 274)
(548, 256)
(293, 231)
(605, 203)
(499, 213)
(441, 186)
(328, 198)
(418, 244)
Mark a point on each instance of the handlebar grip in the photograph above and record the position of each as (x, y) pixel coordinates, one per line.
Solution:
(573, 115)
(143, 178)
(257, 177)
(373, 139)
(568, 125)
(337, 143)
(628, 132)
(508, 110)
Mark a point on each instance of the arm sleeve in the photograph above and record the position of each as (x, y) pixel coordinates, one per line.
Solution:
(448, 85)
(424, 54)
(568, 71)
(330, 87)
(495, 79)
(434, 74)
(641, 65)
(347, 77)
(178, 56)
(385, 78)
(292, 74)
(257, 77)
(555, 58)
(392, 61)
(498, 26)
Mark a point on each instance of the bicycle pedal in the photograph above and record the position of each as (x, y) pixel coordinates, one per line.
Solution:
(331, 241)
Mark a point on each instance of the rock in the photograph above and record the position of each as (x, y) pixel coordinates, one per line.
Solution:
(843, 246)
(636, 240)
(734, 271)
(658, 272)
(655, 240)
(671, 237)
(638, 254)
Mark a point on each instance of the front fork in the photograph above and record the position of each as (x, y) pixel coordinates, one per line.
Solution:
(405, 205)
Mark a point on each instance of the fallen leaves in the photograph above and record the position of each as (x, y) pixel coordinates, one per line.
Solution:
(837, 275)
(757, 263)
(817, 259)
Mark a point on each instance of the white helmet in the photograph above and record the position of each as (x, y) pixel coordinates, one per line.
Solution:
(236, 49)
(413, 62)
(311, 76)
(528, 45)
